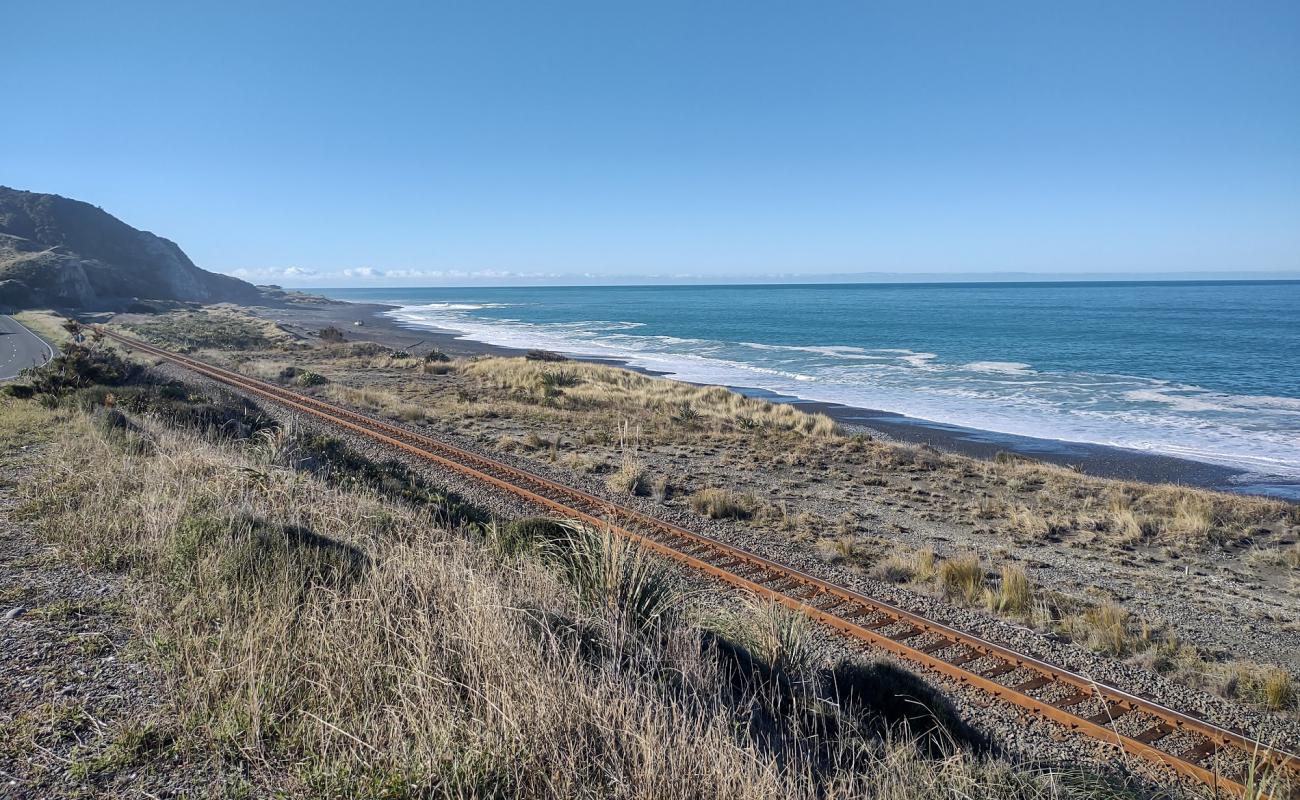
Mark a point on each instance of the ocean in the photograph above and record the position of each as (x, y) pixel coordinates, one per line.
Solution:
(1206, 371)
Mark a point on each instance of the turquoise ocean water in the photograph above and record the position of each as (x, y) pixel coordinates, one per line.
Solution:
(1208, 371)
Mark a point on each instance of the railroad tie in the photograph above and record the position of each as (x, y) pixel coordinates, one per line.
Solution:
(1073, 699)
(1001, 669)
(970, 655)
(1202, 751)
(934, 647)
(1112, 712)
(1155, 733)
(1032, 684)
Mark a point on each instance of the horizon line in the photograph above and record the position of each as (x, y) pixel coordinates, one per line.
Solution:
(1039, 279)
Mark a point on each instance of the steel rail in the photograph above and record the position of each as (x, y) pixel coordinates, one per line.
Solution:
(946, 650)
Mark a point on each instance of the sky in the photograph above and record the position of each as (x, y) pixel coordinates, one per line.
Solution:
(425, 143)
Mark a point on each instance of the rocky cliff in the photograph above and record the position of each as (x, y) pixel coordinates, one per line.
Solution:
(64, 253)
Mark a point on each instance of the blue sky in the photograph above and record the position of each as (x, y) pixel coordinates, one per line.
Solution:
(430, 143)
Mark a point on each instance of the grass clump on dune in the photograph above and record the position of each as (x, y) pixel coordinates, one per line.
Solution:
(217, 329)
(580, 385)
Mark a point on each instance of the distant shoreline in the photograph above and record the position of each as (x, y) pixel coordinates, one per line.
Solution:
(1101, 461)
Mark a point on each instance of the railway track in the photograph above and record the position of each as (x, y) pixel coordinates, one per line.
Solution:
(1222, 759)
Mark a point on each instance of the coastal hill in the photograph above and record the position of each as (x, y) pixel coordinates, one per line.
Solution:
(59, 252)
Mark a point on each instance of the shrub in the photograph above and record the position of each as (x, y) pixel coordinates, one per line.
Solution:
(309, 378)
(79, 366)
(331, 334)
(717, 503)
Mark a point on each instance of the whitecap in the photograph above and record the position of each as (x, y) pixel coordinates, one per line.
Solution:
(999, 367)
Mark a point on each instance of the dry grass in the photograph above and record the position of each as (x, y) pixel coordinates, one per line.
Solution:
(962, 577)
(46, 323)
(1029, 522)
(630, 478)
(911, 565)
(327, 642)
(583, 386)
(1106, 628)
(1036, 500)
(25, 423)
(375, 400)
(717, 503)
(1014, 594)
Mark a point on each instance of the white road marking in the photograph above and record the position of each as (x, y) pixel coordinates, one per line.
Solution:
(49, 351)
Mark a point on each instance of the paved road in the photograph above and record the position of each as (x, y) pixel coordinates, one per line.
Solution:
(20, 348)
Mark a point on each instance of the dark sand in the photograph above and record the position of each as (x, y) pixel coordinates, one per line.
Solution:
(1092, 459)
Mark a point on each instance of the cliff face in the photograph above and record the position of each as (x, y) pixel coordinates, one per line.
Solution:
(65, 253)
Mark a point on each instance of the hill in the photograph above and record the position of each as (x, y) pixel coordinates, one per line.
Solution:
(59, 252)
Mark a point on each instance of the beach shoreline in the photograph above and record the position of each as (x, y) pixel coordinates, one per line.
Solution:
(1102, 461)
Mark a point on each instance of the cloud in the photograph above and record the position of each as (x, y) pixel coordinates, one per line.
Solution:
(390, 277)
(274, 273)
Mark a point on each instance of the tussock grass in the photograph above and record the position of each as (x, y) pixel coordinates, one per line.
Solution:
(784, 640)
(911, 565)
(1029, 522)
(630, 478)
(581, 385)
(1106, 628)
(1014, 595)
(717, 503)
(217, 328)
(327, 642)
(615, 580)
(962, 577)
(375, 400)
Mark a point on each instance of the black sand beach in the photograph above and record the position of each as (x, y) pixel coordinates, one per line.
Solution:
(1091, 459)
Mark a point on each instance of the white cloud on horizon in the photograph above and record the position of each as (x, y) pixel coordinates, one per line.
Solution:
(306, 277)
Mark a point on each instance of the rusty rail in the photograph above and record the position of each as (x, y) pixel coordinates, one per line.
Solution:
(1212, 754)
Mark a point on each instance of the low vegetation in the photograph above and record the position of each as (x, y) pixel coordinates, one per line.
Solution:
(329, 637)
(1105, 627)
(580, 385)
(724, 456)
(722, 504)
(188, 331)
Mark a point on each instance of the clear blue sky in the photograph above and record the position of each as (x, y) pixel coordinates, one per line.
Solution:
(434, 143)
